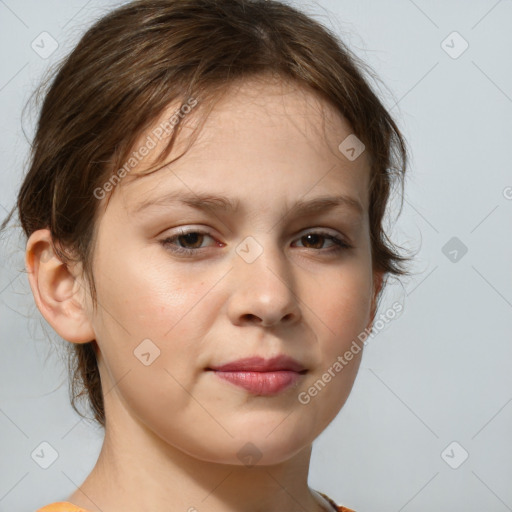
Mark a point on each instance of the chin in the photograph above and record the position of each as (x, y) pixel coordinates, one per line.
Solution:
(247, 450)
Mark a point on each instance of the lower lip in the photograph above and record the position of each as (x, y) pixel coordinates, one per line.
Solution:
(262, 383)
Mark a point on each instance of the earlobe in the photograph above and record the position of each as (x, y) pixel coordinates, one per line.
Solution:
(58, 293)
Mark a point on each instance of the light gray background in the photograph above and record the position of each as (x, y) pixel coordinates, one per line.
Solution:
(438, 373)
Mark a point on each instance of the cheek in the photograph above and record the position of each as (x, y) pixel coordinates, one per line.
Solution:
(343, 311)
(148, 302)
(147, 298)
(342, 303)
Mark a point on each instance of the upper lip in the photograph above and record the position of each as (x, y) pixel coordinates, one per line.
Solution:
(259, 364)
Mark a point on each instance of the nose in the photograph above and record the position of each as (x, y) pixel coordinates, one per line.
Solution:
(263, 292)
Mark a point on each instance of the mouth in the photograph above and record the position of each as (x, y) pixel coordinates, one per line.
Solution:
(259, 364)
(261, 376)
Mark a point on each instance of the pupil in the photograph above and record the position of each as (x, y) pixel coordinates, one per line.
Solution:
(191, 238)
(313, 236)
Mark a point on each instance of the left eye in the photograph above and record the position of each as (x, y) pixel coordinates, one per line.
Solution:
(316, 237)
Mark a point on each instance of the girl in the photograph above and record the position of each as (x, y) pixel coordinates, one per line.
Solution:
(203, 213)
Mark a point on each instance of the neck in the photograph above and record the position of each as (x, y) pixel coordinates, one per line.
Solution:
(137, 470)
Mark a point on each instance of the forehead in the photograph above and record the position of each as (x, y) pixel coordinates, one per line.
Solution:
(259, 126)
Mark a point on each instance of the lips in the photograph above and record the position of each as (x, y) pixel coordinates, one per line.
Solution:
(262, 376)
(258, 364)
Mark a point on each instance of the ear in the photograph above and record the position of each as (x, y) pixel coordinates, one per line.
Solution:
(58, 290)
(378, 281)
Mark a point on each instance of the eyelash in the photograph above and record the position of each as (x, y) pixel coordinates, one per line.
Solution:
(339, 244)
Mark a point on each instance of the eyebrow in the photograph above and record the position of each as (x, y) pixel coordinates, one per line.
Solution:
(220, 203)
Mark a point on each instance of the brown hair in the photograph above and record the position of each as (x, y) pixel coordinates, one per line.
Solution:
(135, 61)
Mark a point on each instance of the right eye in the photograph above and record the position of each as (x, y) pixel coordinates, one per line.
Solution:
(190, 242)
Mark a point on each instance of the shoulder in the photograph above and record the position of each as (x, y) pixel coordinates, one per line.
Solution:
(335, 506)
(64, 506)
(61, 506)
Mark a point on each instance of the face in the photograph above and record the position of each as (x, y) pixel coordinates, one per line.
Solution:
(187, 282)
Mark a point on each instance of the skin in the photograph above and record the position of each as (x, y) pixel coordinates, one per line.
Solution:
(173, 429)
